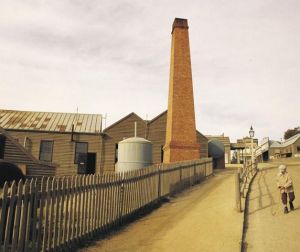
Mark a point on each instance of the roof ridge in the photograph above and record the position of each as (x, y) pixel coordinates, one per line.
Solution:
(122, 119)
(28, 111)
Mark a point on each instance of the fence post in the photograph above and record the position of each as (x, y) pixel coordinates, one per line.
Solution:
(237, 192)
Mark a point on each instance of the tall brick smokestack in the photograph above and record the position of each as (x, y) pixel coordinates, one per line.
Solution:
(181, 139)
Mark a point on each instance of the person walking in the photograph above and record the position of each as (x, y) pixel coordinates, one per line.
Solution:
(286, 189)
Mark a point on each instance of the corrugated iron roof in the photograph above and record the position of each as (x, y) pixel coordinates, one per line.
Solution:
(223, 139)
(275, 144)
(51, 122)
(286, 143)
(291, 140)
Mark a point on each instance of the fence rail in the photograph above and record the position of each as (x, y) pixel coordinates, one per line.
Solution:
(242, 180)
(58, 213)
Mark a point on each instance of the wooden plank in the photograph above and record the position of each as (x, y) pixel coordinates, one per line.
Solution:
(97, 207)
(70, 224)
(112, 198)
(141, 181)
(88, 204)
(119, 199)
(84, 206)
(3, 211)
(105, 202)
(94, 204)
(73, 204)
(29, 217)
(42, 197)
(10, 218)
(47, 210)
(129, 192)
(124, 205)
(62, 213)
(138, 185)
(147, 187)
(67, 224)
(101, 203)
(78, 205)
(56, 212)
(34, 214)
(115, 195)
(23, 219)
(136, 203)
(51, 217)
(16, 226)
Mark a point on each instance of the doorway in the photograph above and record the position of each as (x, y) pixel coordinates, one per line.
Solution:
(91, 163)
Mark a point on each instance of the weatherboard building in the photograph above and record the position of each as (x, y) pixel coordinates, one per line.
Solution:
(65, 144)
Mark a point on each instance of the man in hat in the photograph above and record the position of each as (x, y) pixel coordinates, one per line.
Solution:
(285, 186)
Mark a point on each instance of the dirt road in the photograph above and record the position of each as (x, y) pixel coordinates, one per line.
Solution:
(268, 229)
(200, 219)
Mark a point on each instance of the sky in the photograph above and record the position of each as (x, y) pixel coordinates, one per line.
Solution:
(113, 58)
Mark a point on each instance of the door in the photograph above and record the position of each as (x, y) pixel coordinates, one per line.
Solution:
(91, 163)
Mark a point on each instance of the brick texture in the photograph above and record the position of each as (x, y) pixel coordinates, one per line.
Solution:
(181, 139)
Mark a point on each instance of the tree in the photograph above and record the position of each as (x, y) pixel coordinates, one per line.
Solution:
(291, 132)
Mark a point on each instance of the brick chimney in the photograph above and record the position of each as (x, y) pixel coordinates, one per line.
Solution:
(181, 139)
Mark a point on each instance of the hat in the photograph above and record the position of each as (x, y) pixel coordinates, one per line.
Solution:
(282, 167)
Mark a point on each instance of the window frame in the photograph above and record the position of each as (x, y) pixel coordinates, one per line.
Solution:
(52, 147)
(116, 152)
(87, 150)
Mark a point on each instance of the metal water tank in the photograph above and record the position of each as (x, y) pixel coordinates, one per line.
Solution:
(134, 153)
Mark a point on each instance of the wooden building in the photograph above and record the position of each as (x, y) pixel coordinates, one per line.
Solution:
(75, 143)
(243, 150)
(71, 141)
(269, 149)
(154, 131)
(16, 162)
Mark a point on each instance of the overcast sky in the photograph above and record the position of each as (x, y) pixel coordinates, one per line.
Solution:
(112, 57)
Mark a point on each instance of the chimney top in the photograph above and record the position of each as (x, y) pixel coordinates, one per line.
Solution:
(180, 23)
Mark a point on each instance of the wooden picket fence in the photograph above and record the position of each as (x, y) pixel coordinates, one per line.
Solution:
(57, 213)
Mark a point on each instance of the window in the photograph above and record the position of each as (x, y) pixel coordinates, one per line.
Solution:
(116, 153)
(161, 153)
(46, 150)
(298, 148)
(81, 150)
(2, 146)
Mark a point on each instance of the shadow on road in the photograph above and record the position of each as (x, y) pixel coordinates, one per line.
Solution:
(263, 192)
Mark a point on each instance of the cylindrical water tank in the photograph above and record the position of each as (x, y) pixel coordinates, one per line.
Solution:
(134, 153)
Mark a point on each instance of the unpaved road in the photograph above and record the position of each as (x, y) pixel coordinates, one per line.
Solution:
(268, 229)
(202, 218)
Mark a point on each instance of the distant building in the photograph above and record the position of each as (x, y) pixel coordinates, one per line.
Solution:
(70, 141)
(76, 144)
(243, 149)
(153, 130)
(15, 159)
(225, 141)
(269, 149)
